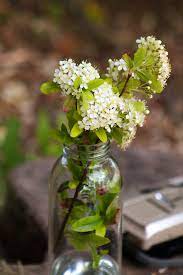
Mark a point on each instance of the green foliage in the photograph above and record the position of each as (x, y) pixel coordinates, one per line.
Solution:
(79, 211)
(128, 60)
(101, 134)
(133, 84)
(100, 230)
(87, 224)
(11, 152)
(156, 85)
(69, 102)
(94, 84)
(75, 169)
(103, 202)
(49, 87)
(70, 118)
(84, 241)
(90, 241)
(139, 56)
(73, 184)
(44, 132)
(63, 135)
(76, 131)
(116, 134)
(77, 82)
(112, 210)
(139, 106)
(87, 96)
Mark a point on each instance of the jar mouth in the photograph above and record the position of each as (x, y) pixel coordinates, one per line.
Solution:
(89, 151)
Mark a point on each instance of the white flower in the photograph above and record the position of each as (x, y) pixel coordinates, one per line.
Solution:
(103, 111)
(115, 69)
(136, 110)
(133, 113)
(108, 110)
(160, 55)
(127, 137)
(69, 71)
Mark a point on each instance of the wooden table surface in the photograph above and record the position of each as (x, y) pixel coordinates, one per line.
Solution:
(141, 168)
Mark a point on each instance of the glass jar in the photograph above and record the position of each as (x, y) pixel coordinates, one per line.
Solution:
(85, 209)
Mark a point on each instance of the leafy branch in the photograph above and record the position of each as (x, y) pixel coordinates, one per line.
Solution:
(64, 223)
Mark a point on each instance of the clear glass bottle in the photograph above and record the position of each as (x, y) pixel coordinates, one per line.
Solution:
(85, 208)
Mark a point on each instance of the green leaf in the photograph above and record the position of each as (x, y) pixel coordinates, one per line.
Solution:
(92, 137)
(128, 60)
(83, 242)
(108, 80)
(149, 61)
(117, 135)
(70, 118)
(78, 212)
(139, 106)
(64, 195)
(100, 230)
(98, 241)
(87, 224)
(78, 241)
(101, 134)
(112, 209)
(75, 169)
(104, 252)
(77, 82)
(121, 85)
(76, 115)
(156, 86)
(62, 135)
(76, 131)
(139, 56)
(73, 184)
(87, 96)
(94, 84)
(115, 90)
(49, 87)
(133, 84)
(104, 201)
(143, 75)
(69, 102)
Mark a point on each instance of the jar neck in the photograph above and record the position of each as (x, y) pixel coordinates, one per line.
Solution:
(89, 152)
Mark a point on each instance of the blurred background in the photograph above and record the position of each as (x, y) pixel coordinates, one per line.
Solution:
(34, 35)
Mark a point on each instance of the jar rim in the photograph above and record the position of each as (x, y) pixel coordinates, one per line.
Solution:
(97, 145)
(98, 150)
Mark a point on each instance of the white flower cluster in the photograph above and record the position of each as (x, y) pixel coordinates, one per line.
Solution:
(135, 110)
(69, 71)
(108, 110)
(103, 111)
(116, 67)
(127, 137)
(160, 55)
(133, 114)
